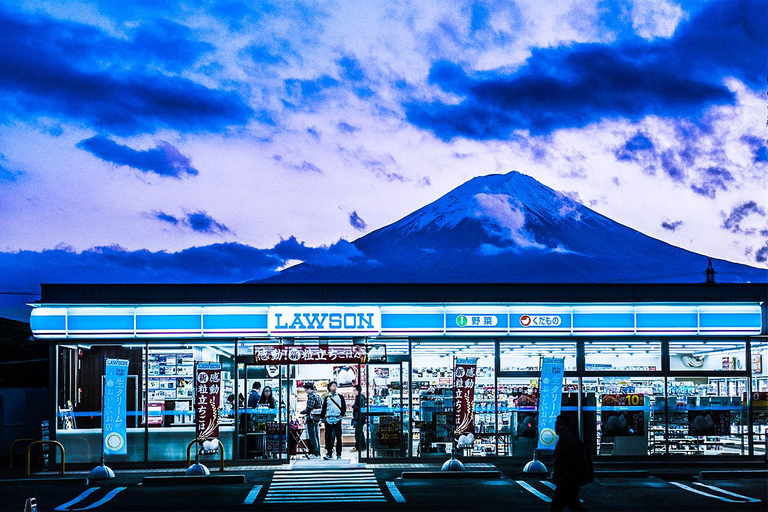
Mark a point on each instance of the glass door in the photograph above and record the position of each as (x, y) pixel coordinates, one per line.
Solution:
(262, 411)
(389, 407)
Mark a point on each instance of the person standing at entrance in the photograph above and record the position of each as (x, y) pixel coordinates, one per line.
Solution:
(334, 408)
(313, 411)
(358, 420)
(253, 403)
(573, 467)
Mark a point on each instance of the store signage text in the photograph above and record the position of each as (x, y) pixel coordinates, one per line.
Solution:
(291, 320)
(207, 400)
(280, 354)
(115, 405)
(477, 320)
(540, 320)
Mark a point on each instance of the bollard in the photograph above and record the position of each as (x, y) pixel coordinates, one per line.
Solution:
(189, 453)
(30, 505)
(35, 443)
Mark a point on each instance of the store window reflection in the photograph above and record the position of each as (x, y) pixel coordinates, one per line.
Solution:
(525, 356)
(433, 385)
(78, 400)
(629, 356)
(707, 355)
(759, 396)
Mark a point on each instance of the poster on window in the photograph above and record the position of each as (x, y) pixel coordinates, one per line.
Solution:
(115, 406)
(622, 414)
(709, 423)
(550, 400)
(207, 400)
(464, 376)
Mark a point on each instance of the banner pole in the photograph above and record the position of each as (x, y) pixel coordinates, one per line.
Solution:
(196, 469)
(103, 390)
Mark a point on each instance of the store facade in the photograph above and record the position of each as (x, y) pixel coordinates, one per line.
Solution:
(650, 370)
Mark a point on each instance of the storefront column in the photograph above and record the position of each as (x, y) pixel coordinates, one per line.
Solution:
(145, 398)
(665, 373)
(235, 372)
(750, 437)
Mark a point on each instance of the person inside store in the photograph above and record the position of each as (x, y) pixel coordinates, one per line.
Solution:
(253, 398)
(358, 420)
(573, 467)
(334, 408)
(267, 398)
(313, 411)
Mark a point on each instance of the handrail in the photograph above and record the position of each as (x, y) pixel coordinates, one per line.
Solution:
(35, 443)
(21, 440)
(189, 451)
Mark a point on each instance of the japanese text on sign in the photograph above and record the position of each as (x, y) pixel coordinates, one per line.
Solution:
(115, 406)
(278, 354)
(207, 400)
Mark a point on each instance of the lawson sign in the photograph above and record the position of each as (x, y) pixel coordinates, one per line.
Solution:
(323, 320)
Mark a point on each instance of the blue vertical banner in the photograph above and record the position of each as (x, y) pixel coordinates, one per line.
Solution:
(550, 400)
(115, 406)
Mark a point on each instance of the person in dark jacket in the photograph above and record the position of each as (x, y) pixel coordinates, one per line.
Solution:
(267, 398)
(313, 411)
(358, 419)
(254, 396)
(334, 408)
(570, 464)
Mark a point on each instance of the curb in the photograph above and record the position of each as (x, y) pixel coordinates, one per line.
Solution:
(59, 482)
(192, 480)
(743, 473)
(449, 475)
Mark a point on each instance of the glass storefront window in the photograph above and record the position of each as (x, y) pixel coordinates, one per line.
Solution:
(707, 415)
(624, 415)
(707, 355)
(78, 401)
(621, 355)
(759, 396)
(432, 381)
(525, 355)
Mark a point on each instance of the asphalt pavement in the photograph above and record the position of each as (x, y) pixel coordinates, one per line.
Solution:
(381, 489)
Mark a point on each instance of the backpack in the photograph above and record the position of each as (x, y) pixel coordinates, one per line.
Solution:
(587, 470)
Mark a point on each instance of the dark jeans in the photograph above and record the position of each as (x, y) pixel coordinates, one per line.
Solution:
(360, 435)
(332, 432)
(313, 433)
(566, 495)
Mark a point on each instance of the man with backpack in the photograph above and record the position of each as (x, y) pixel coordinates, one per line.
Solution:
(573, 467)
(313, 413)
(334, 408)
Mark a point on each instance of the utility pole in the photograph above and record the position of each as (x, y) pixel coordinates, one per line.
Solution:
(710, 273)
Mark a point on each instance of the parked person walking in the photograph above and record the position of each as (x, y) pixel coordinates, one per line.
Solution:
(358, 419)
(313, 412)
(573, 467)
(334, 408)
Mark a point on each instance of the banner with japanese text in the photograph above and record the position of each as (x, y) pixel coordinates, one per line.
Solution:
(115, 407)
(207, 400)
(550, 400)
(464, 377)
(286, 354)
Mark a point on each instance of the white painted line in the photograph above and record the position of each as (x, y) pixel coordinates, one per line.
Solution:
(395, 492)
(111, 494)
(553, 487)
(540, 495)
(691, 489)
(80, 498)
(729, 493)
(252, 495)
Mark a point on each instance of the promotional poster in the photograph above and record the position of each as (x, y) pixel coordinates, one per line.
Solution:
(115, 406)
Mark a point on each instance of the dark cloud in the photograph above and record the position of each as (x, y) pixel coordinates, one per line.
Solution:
(356, 222)
(264, 54)
(164, 159)
(166, 217)
(65, 69)
(350, 69)
(307, 93)
(8, 174)
(306, 167)
(346, 127)
(671, 226)
(761, 256)
(757, 146)
(572, 86)
(201, 222)
(638, 144)
(732, 222)
(341, 253)
(712, 179)
(671, 166)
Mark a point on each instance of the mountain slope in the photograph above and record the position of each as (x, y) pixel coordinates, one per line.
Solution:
(512, 229)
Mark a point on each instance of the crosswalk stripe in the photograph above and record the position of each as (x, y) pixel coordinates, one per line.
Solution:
(395, 492)
(80, 498)
(729, 493)
(337, 485)
(252, 495)
(538, 494)
(691, 489)
(553, 487)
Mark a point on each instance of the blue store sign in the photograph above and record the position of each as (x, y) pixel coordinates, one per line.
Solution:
(115, 406)
(550, 400)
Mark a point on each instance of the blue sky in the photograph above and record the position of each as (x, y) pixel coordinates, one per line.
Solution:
(138, 137)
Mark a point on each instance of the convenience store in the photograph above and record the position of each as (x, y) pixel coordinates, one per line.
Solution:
(666, 371)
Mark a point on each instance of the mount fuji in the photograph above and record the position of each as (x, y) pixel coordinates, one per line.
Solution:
(512, 229)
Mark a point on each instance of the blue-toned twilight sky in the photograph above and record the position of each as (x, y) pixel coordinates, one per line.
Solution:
(137, 133)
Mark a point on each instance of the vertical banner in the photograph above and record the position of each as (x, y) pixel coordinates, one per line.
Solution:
(464, 376)
(550, 400)
(207, 399)
(114, 405)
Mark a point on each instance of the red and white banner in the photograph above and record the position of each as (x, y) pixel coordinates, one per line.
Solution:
(464, 377)
(282, 354)
(207, 400)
